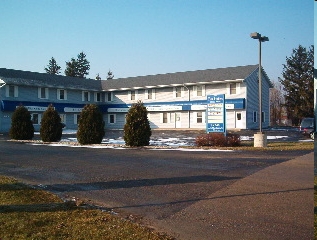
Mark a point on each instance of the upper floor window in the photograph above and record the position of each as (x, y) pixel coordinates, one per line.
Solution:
(199, 90)
(85, 96)
(61, 94)
(178, 92)
(149, 93)
(109, 96)
(133, 95)
(97, 97)
(12, 91)
(233, 88)
(43, 93)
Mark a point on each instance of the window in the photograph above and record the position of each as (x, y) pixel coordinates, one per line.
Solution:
(233, 88)
(36, 118)
(85, 96)
(109, 97)
(255, 116)
(43, 93)
(199, 90)
(63, 118)
(132, 95)
(112, 118)
(61, 94)
(239, 116)
(11, 91)
(97, 97)
(165, 118)
(178, 92)
(199, 117)
(76, 118)
(149, 94)
(263, 116)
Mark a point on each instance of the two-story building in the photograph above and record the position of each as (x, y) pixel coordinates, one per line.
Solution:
(173, 100)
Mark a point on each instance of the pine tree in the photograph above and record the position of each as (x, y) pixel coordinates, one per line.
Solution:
(98, 77)
(21, 124)
(78, 67)
(298, 84)
(137, 130)
(53, 67)
(91, 125)
(110, 75)
(51, 127)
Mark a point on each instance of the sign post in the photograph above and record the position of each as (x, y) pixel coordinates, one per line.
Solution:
(216, 114)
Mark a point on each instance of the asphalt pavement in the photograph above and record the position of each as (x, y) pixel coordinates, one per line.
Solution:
(190, 195)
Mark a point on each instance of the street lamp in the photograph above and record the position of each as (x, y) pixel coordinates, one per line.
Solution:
(261, 39)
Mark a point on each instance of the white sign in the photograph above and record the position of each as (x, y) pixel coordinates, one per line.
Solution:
(229, 106)
(35, 108)
(68, 109)
(164, 108)
(198, 107)
(118, 109)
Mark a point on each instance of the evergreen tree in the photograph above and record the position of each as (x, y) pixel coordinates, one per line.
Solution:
(98, 77)
(53, 67)
(51, 127)
(91, 125)
(298, 84)
(71, 68)
(78, 67)
(21, 124)
(83, 65)
(137, 130)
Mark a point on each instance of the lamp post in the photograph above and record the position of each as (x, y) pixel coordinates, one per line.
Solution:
(261, 39)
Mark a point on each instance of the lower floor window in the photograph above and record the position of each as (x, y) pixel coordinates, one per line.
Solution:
(63, 118)
(199, 117)
(112, 118)
(36, 118)
(76, 118)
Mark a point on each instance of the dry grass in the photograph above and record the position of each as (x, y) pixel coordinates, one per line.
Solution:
(28, 213)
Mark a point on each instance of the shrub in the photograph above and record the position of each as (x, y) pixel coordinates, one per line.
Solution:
(218, 140)
(91, 126)
(51, 127)
(137, 130)
(21, 124)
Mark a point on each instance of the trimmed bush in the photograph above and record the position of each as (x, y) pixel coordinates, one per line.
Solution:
(21, 124)
(91, 126)
(218, 140)
(137, 130)
(51, 127)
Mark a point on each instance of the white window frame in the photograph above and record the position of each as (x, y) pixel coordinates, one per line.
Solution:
(133, 93)
(15, 91)
(114, 118)
(149, 93)
(168, 117)
(39, 118)
(107, 96)
(76, 118)
(203, 90)
(175, 92)
(63, 118)
(45, 93)
(85, 96)
(59, 94)
(237, 88)
(96, 96)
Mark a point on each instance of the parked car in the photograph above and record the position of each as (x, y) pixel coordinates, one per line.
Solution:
(307, 126)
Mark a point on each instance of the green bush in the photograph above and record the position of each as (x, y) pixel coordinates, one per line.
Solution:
(21, 124)
(91, 127)
(51, 127)
(137, 130)
(218, 140)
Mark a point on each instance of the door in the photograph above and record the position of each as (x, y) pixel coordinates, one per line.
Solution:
(239, 121)
(178, 120)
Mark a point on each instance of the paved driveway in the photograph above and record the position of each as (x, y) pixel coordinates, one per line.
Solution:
(153, 184)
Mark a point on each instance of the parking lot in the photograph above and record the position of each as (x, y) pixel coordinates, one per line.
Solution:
(154, 185)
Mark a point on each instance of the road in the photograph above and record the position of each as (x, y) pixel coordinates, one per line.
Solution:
(152, 184)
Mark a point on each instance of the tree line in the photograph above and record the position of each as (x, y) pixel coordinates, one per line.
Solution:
(78, 67)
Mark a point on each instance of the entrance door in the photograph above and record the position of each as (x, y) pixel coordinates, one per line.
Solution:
(239, 121)
(178, 120)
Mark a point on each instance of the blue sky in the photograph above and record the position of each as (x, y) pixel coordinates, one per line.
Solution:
(145, 37)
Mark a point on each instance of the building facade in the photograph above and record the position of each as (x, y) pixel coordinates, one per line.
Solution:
(174, 100)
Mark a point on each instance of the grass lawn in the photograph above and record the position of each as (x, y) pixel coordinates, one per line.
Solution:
(28, 213)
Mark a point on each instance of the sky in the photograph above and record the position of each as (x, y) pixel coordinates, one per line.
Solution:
(146, 37)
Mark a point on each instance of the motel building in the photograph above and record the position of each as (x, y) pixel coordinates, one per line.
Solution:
(173, 100)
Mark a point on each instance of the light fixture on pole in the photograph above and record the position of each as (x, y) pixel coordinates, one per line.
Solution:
(261, 39)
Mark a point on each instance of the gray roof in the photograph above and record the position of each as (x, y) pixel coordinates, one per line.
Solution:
(27, 78)
(209, 76)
